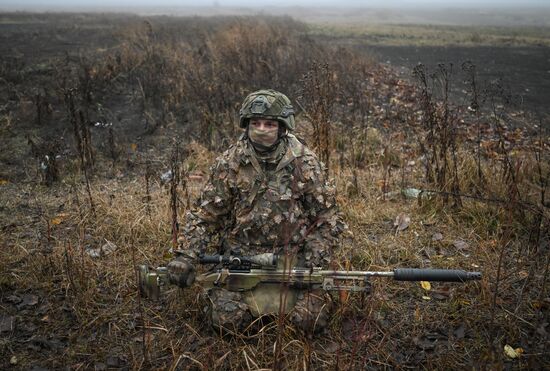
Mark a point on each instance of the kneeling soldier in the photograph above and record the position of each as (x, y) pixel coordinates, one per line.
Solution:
(268, 193)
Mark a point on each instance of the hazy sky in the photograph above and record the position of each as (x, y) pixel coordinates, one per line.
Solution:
(263, 3)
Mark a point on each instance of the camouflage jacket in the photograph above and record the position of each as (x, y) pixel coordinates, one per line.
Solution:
(253, 205)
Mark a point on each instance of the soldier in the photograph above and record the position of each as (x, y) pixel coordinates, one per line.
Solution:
(266, 193)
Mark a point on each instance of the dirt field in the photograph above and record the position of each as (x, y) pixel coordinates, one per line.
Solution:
(96, 109)
(517, 56)
(524, 70)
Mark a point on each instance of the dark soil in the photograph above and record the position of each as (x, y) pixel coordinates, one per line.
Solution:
(524, 70)
(62, 308)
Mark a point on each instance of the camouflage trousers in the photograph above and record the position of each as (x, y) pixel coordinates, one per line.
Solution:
(229, 312)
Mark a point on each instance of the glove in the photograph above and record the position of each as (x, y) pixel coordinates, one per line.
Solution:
(181, 272)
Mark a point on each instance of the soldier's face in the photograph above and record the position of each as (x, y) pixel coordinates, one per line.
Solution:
(264, 125)
(263, 131)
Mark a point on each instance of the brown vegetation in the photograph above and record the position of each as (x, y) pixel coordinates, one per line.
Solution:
(163, 97)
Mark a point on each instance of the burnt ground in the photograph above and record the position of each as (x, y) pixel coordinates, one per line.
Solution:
(62, 308)
(32, 38)
(525, 71)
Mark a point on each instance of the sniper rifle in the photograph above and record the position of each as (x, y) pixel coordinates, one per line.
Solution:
(245, 273)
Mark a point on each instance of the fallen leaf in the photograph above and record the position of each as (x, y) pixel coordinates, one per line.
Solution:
(460, 332)
(332, 347)
(411, 192)
(104, 250)
(108, 248)
(426, 298)
(442, 293)
(523, 274)
(402, 222)
(344, 296)
(349, 328)
(113, 361)
(437, 237)
(7, 323)
(29, 300)
(423, 343)
(195, 177)
(511, 352)
(14, 299)
(56, 221)
(3, 182)
(426, 285)
(27, 327)
(148, 338)
(13, 360)
(133, 146)
(519, 351)
(166, 177)
(541, 330)
(429, 221)
(461, 245)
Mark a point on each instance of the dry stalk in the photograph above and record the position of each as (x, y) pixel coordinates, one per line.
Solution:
(317, 99)
(475, 107)
(112, 146)
(141, 312)
(440, 122)
(86, 136)
(89, 192)
(67, 253)
(73, 119)
(174, 181)
(148, 175)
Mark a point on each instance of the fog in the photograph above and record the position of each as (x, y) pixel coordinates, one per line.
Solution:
(436, 12)
(68, 4)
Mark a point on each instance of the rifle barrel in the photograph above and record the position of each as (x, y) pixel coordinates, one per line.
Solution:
(411, 274)
(343, 274)
(269, 260)
(443, 275)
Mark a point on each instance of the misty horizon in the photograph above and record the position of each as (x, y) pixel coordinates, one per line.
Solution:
(27, 5)
(534, 13)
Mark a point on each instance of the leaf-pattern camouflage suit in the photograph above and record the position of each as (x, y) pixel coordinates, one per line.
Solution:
(255, 203)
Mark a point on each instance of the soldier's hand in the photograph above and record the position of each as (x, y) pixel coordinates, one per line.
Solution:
(181, 272)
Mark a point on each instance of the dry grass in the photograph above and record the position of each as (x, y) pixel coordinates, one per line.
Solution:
(436, 35)
(87, 297)
(87, 312)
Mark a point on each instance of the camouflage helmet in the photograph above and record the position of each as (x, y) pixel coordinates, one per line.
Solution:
(269, 104)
